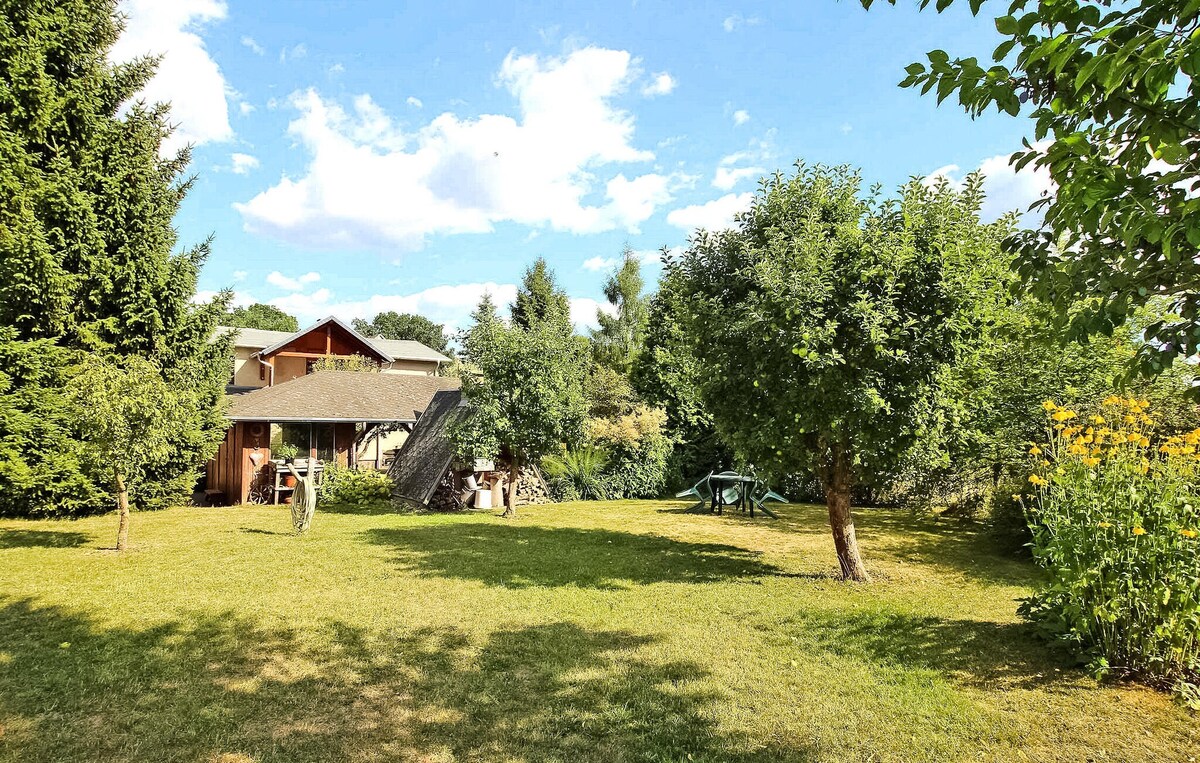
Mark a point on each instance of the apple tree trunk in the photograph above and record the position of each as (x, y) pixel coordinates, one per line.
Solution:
(837, 480)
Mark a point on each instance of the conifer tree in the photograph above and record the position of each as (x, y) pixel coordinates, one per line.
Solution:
(540, 300)
(88, 258)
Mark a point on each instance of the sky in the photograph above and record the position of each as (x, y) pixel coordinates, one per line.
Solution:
(356, 156)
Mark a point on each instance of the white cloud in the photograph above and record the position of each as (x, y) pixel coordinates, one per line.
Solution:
(299, 50)
(741, 117)
(245, 108)
(243, 163)
(450, 305)
(370, 184)
(583, 312)
(336, 69)
(661, 84)
(1005, 189)
(414, 101)
(253, 45)
(846, 128)
(731, 23)
(713, 215)
(651, 257)
(597, 264)
(239, 275)
(727, 177)
(759, 152)
(288, 283)
(187, 76)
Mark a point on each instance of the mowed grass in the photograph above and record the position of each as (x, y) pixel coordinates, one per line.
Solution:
(623, 631)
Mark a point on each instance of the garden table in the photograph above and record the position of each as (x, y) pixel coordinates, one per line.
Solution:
(726, 480)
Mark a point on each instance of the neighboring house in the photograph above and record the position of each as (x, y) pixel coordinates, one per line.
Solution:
(262, 358)
(344, 417)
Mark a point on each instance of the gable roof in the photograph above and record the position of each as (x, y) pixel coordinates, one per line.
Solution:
(326, 320)
(341, 396)
(398, 349)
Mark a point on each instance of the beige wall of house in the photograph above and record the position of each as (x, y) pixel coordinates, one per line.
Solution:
(420, 367)
(287, 369)
(245, 368)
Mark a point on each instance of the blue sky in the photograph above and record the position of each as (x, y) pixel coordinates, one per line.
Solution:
(359, 156)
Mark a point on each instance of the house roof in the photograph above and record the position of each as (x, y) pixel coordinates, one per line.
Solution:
(328, 319)
(341, 396)
(394, 349)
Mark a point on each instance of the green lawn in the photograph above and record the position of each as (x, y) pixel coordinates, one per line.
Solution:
(578, 632)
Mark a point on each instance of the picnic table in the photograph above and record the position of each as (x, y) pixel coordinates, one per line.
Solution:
(716, 491)
(732, 489)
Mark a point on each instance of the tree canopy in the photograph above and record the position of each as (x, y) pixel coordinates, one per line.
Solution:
(260, 316)
(820, 324)
(88, 260)
(526, 391)
(619, 340)
(541, 300)
(1113, 94)
(393, 325)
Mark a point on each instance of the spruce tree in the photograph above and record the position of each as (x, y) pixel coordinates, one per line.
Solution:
(540, 300)
(88, 258)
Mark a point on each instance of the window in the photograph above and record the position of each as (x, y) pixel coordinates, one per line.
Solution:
(323, 441)
(291, 433)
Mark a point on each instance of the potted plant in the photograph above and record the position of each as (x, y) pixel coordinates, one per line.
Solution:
(287, 452)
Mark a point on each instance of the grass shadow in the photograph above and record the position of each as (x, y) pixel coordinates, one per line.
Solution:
(18, 538)
(520, 556)
(981, 654)
(221, 687)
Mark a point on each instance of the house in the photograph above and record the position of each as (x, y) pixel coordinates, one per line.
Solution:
(262, 358)
(351, 418)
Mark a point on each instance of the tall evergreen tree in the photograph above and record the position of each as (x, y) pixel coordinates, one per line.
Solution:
(619, 340)
(540, 300)
(87, 247)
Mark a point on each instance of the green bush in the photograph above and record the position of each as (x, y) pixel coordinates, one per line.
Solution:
(353, 487)
(1116, 523)
(563, 490)
(578, 473)
(639, 470)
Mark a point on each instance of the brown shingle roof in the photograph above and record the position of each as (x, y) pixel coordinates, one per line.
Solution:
(341, 396)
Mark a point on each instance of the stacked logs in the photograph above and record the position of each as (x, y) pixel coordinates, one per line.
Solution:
(448, 496)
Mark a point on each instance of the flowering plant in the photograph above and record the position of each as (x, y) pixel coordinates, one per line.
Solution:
(1115, 516)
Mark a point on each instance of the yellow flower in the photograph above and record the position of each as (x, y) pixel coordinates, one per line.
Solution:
(1049, 405)
(1144, 442)
(1039, 481)
(1097, 419)
(1139, 531)
(1111, 400)
(1105, 525)
(1091, 461)
(1035, 451)
(1063, 415)
(1016, 498)
(1188, 533)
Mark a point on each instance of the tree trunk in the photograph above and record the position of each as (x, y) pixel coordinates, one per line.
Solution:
(122, 510)
(836, 480)
(514, 476)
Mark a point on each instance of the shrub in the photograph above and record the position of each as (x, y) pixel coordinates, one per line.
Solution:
(581, 469)
(1115, 523)
(352, 486)
(640, 452)
(562, 490)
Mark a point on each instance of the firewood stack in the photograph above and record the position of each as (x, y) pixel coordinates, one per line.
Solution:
(448, 496)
